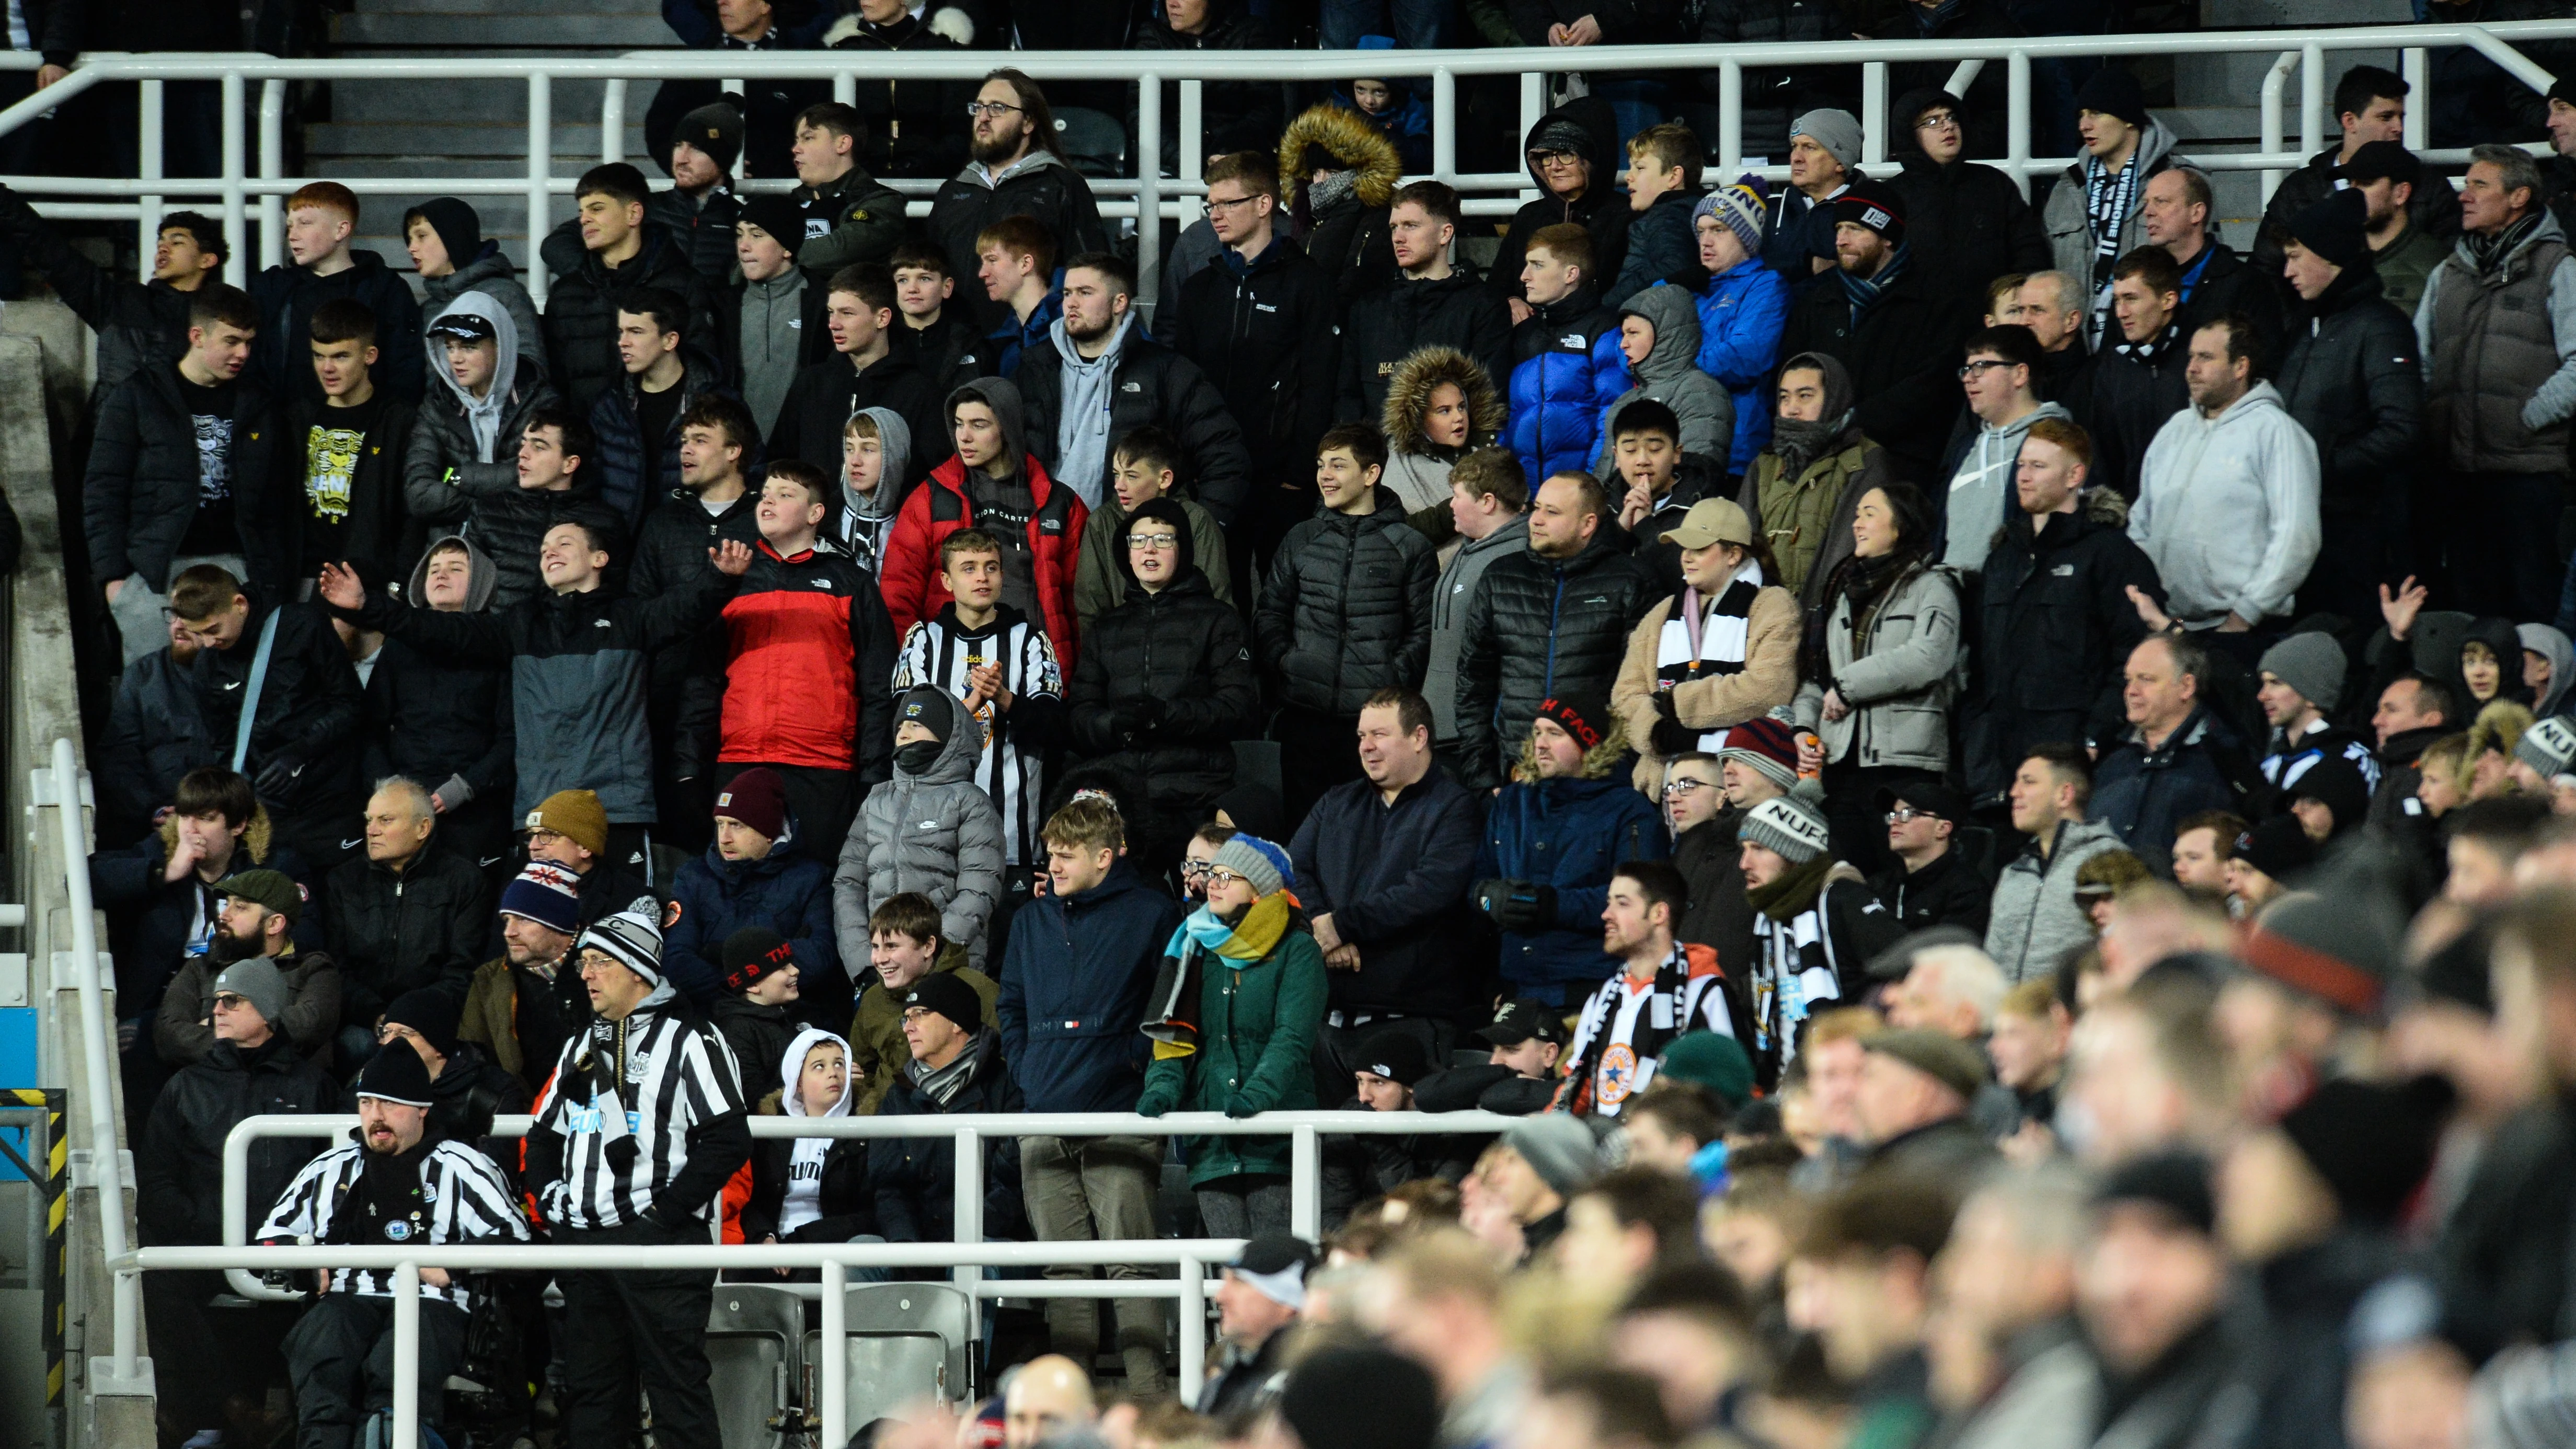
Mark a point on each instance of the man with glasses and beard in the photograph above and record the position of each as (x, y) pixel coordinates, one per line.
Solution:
(1018, 169)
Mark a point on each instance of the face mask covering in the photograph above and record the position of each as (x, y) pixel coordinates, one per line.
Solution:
(917, 756)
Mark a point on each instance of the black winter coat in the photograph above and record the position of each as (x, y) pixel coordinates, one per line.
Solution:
(1268, 340)
(310, 713)
(1455, 311)
(1967, 224)
(1903, 355)
(139, 324)
(2352, 380)
(1241, 115)
(1949, 892)
(430, 717)
(375, 528)
(1394, 878)
(287, 295)
(849, 1206)
(156, 732)
(1773, 98)
(1053, 193)
(2144, 795)
(914, 1179)
(140, 494)
(1602, 209)
(912, 125)
(2227, 285)
(672, 546)
(1346, 610)
(1151, 384)
(509, 523)
(705, 226)
(179, 1174)
(1165, 687)
(1710, 856)
(581, 305)
(396, 933)
(2135, 388)
(1538, 628)
(626, 483)
(2054, 628)
(851, 220)
(823, 398)
(1988, 103)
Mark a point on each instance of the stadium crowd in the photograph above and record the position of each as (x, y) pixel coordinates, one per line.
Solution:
(1991, 784)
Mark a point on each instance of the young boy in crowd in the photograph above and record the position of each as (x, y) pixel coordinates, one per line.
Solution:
(1144, 464)
(1663, 188)
(876, 444)
(904, 945)
(1659, 339)
(1396, 112)
(353, 440)
(1564, 357)
(1659, 482)
(1015, 263)
(931, 829)
(945, 345)
(756, 1015)
(1000, 663)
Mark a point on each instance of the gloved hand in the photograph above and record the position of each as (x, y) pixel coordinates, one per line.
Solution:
(1239, 1106)
(279, 773)
(1525, 906)
(452, 795)
(1153, 1106)
(1150, 714)
(1669, 736)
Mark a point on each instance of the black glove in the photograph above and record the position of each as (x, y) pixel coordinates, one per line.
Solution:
(278, 774)
(1669, 736)
(1150, 714)
(1517, 905)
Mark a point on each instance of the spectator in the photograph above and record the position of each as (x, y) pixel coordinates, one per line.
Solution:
(2052, 307)
(409, 915)
(1344, 616)
(701, 208)
(521, 1005)
(2502, 435)
(322, 267)
(1891, 328)
(1242, 115)
(1659, 343)
(453, 257)
(2403, 249)
(931, 831)
(1518, 1076)
(247, 1068)
(2177, 759)
(2177, 207)
(992, 484)
(1740, 315)
(1064, 1027)
(811, 1189)
(1015, 266)
(1395, 108)
(1529, 637)
(755, 1011)
(355, 438)
(1488, 509)
(1261, 1000)
(1048, 1398)
(1916, 1085)
(2351, 379)
(876, 453)
(869, 372)
(2302, 683)
(2152, 1289)
(1018, 169)
(945, 338)
(1804, 488)
(1439, 407)
(1824, 146)
(637, 417)
(2237, 456)
(1703, 817)
(255, 914)
(463, 466)
(1929, 880)
(1098, 376)
(904, 945)
(138, 324)
(1663, 989)
(770, 321)
(851, 218)
(2265, 862)
(1573, 157)
(1383, 867)
(1338, 176)
(1663, 193)
(2412, 712)
(1258, 1300)
(756, 874)
(1431, 303)
(1263, 328)
(2142, 380)
(604, 253)
(1999, 377)
(686, 1137)
(1878, 690)
(156, 733)
(2035, 918)
(1964, 222)
(570, 828)
(2370, 107)
(2203, 845)
(1552, 839)
(1167, 686)
(1815, 925)
(2094, 219)
(762, 118)
(1146, 463)
(179, 471)
(1721, 652)
(1642, 448)
(910, 129)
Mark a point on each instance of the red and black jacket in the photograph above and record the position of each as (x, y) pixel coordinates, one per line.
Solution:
(939, 507)
(809, 660)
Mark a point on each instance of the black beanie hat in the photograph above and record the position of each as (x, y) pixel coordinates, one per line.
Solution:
(715, 128)
(752, 953)
(431, 1012)
(396, 1075)
(2372, 1142)
(2114, 92)
(1169, 510)
(2336, 228)
(2279, 847)
(1361, 1398)
(459, 227)
(942, 992)
(1392, 1053)
(778, 216)
(929, 708)
(2337, 784)
(2177, 1182)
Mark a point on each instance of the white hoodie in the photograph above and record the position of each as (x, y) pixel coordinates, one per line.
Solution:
(2227, 510)
(803, 1202)
(484, 413)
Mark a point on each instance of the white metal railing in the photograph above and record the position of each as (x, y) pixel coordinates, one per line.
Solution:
(1149, 194)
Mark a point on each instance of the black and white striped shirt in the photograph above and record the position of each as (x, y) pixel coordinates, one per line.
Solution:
(463, 1199)
(672, 1075)
(937, 651)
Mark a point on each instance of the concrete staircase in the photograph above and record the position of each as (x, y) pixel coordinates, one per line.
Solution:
(2218, 99)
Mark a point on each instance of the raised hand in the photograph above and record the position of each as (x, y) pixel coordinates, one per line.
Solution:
(340, 587)
(2400, 608)
(732, 557)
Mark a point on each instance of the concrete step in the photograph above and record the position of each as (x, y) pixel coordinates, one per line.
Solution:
(580, 34)
(430, 138)
(488, 102)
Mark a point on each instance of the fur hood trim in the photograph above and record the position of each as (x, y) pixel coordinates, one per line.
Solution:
(1599, 762)
(1347, 135)
(1408, 399)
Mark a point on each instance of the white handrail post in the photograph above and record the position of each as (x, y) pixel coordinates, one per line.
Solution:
(1533, 109)
(2273, 81)
(2017, 114)
(272, 166)
(541, 166)
(2312, 98)
(1192, 162)
(147, 160)
(1730, 117)
(99, 1066)
(1444, 125)
(834, 1371)
(845, 87)
(2414, 65)
(1193, 1328)
(970, 1220)
(407, 1356)
(1306, 1183)
(1873, 113)
(612, 121)
(1964, 77)
(236, 209)
(1149, 190)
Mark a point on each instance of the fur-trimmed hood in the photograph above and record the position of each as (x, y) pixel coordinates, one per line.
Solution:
(1599, 762)
(1349, 138)
(1408, 399)
(2104, 506)
(255, 840)
(2499, 727)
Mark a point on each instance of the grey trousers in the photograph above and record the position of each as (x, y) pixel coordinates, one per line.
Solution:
(1085, 1189)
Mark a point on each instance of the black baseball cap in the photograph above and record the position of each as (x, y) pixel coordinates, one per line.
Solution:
(1519, 1021)
(463, 326)
(1930, 797)
(2381, 161)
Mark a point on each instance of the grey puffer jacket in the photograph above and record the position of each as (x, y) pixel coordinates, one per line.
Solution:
(1346, 611)
(2035, 919)
(936, 832)
(1449, 601)
(1671, 376)
(1898, 677)
(2499, 384)
(491, 274)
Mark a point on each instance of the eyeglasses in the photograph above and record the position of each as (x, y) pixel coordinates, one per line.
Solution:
(1682, 785)
(1213, 204)
(1971, 369)
(1904, 814)
(1218, 875)
(1153, 540)
(1196, 869)
(227, 1001)
(994, 109)
(1930, 120)
(1547, 160)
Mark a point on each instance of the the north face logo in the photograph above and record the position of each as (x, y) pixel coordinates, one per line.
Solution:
(1131, 387)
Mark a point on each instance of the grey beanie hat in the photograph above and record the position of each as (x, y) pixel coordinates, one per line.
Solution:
(2549, 746)
(2313, 664)
(1790, 825)
(1559, 1148)
(1835, 130)
(1258, 861)
(258, 982)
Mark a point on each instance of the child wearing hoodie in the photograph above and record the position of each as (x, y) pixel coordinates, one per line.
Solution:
(465, 440)
(931, 829)
(810, 1189)
(445, 719)
(876, 453)
(990, 483)
(1659, 342)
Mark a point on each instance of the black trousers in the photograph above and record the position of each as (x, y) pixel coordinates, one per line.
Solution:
(341, 1356)
(636, 1329)
(206, 1355)
(1316, 752)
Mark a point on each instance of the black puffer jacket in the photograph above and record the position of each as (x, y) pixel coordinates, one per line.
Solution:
(396, 933)
(581, 306)
(1050, 191)
(1774, 98)
(1241, 115)
(1268, 339)
(633, 469)
(1455, 311)
(156, 732)
(179, 1174)
(1537, 629)
(2227, 284)
(1346, 610)
(141, 492)
(433, 718)
(1164, 688)
(2351, 379)
(138, 323)
(1967, 224)
(704, 226)
(309, 710)
(912, 125)
(1903, 355)
(2135, 388)
(1347, 238)
(1602, 209)
(1151, 384)
(287, 297)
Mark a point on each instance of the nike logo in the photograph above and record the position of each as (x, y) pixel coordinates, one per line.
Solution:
(361, 840)
(236, 684)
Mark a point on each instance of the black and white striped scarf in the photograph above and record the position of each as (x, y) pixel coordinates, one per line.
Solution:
(1697, 643)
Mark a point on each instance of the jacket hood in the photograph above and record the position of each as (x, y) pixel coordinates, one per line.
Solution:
(1408, 399)
(2020, 425)
(256, 838)
(2547, 642)
(959, 755)
(894, 440)
(1599, 762)
(482, 580)
(1003, 397)
(1601, 142)
(1346, 136)
(1839, 392)
(1169, 510)
(1674, 314)
(488, 265)
(791, 1067)
(2503, 640)
(505, 333)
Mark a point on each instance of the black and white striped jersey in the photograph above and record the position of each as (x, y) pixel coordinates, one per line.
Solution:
(462, 1199)
(939, 652)
(626, 1099)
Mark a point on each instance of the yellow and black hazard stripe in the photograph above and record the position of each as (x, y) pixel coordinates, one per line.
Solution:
(52, 1180)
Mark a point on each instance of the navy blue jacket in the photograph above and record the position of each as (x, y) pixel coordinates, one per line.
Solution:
(785, 892)
(1395, 879)
(915, 1178)
(1566, 368)
(1074, 982)
(2144, 794)
(1569, 834)
(1661, 248)
(286, 295)
(627, 484)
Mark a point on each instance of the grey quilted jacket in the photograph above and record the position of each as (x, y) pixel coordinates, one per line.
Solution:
(938, 833)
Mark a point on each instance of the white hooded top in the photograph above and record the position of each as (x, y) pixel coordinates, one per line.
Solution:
(804, 1200)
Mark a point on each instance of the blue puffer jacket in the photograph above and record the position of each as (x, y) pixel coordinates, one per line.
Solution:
(1074, 981)
(1565, 367)
(1569, 834)
(626, 482)
(785, 892)
(1741, 315)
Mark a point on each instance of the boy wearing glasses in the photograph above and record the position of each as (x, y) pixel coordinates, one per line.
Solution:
(1707, 853)
(1929, 883)
(1996, 375)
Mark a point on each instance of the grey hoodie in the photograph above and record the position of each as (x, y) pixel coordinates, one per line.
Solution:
(1082, 431)
(494, 277)
(2546, 641)
(938, 833)
(866, 518)
(1671, 376)
(2069, 222)
(1982, 483)
(483, 413)
(1449, 617)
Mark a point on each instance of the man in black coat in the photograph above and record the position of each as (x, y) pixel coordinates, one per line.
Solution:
(851, 218)
(409, 913)
(156, 733)
(911, 124)
(304, 735)
(956, 1069)
(1892, 325)
(2370, 105)
(1573, 155)
(1965, 223)
(1431, 303)
(1018, 170)
(2175, 210)
(1956, 20)
(2138, 379)
(868, 368)
(608, 250)
(323, 267)
(342, 493)
(2352, 380)
(754, 27)
(1927, 882)
(138, 323)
